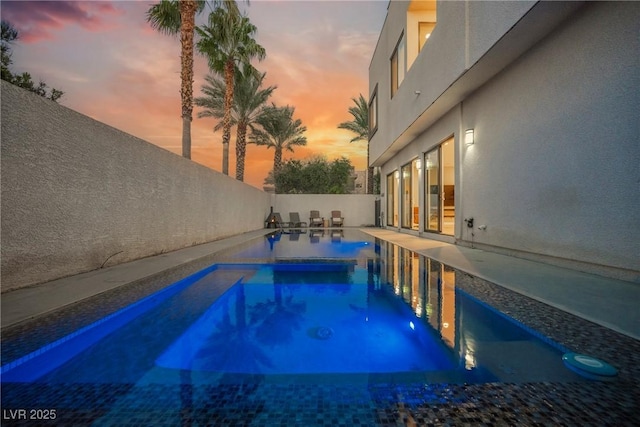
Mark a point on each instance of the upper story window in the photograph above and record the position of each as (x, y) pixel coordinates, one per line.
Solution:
(424, 32)
(398, 65)
(373, 112)
(421, 23)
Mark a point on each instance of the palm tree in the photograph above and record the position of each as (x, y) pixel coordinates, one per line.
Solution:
(360, 126)
(278, 130)
(173, 17)
(228, 41)
(248, 102)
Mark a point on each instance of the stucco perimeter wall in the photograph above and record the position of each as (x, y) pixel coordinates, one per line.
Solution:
(357, 209)
(76, 193)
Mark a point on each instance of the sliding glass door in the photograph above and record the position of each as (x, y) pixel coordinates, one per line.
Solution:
(406, 195)
(439, 183)
(411, 195)
(392, 205)
(432, 190)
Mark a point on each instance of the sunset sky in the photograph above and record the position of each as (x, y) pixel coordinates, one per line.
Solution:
(114, 68)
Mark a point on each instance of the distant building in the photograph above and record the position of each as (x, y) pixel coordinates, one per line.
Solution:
(360, 182)
(513, 127)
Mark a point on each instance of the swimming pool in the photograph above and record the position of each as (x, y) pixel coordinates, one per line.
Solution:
(278, 327)
(338, 305)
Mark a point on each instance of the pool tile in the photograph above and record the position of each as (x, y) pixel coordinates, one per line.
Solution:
(587, 403)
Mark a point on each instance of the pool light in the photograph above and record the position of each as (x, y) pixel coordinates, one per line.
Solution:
(589, 367)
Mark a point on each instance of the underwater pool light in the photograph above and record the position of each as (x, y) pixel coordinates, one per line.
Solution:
(589, 367)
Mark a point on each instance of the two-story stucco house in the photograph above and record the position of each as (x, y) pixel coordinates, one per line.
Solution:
(512, 126)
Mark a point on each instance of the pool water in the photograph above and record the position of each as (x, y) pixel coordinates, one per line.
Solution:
(364, 307)
(307, 326)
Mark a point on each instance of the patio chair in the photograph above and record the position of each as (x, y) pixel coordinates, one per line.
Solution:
(294, 219)
(336, 219)
(315, 220)
(314, 235)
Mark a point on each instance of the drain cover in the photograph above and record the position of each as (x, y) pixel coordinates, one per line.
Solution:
(320, 332)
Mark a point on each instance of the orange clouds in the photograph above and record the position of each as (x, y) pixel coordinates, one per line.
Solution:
(128, 75)
(318, 73)
(319, 82)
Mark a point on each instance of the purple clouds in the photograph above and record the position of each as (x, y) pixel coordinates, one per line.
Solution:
(39, 20)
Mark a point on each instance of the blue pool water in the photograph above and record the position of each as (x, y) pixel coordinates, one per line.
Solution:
(262, 327)
(302, 307)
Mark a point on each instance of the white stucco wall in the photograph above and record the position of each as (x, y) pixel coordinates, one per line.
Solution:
(440, 62)
(76, 191)
(554, 169)
(472, 42)
(488, 21)
(357, 209)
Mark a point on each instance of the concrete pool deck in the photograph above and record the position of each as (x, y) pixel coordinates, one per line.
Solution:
(33, 301)
(607, 302)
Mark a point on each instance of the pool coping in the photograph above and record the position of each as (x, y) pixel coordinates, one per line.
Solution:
(30, 302)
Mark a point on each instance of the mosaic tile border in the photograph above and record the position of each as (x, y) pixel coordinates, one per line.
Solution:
(572, 332)
(540, 404)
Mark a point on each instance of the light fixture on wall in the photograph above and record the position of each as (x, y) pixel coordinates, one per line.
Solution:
(469, 137)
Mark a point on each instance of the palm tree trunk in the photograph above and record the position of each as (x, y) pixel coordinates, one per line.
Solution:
(186, 136)
(241, 150)
(226, 120)
(369, 174)
(277, 160)
(187, 16)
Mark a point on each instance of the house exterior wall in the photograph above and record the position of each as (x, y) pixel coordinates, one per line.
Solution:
(553, 173)
(440, 131)
(454, 46)
(76, 193)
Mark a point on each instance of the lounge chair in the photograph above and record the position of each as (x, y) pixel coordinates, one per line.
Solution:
(315, 220)
(336, 219)
(294, 219)
(294, 235)
(279, 222)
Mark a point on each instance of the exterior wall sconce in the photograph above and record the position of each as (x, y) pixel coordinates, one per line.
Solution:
(468, 137)
(417, 92)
